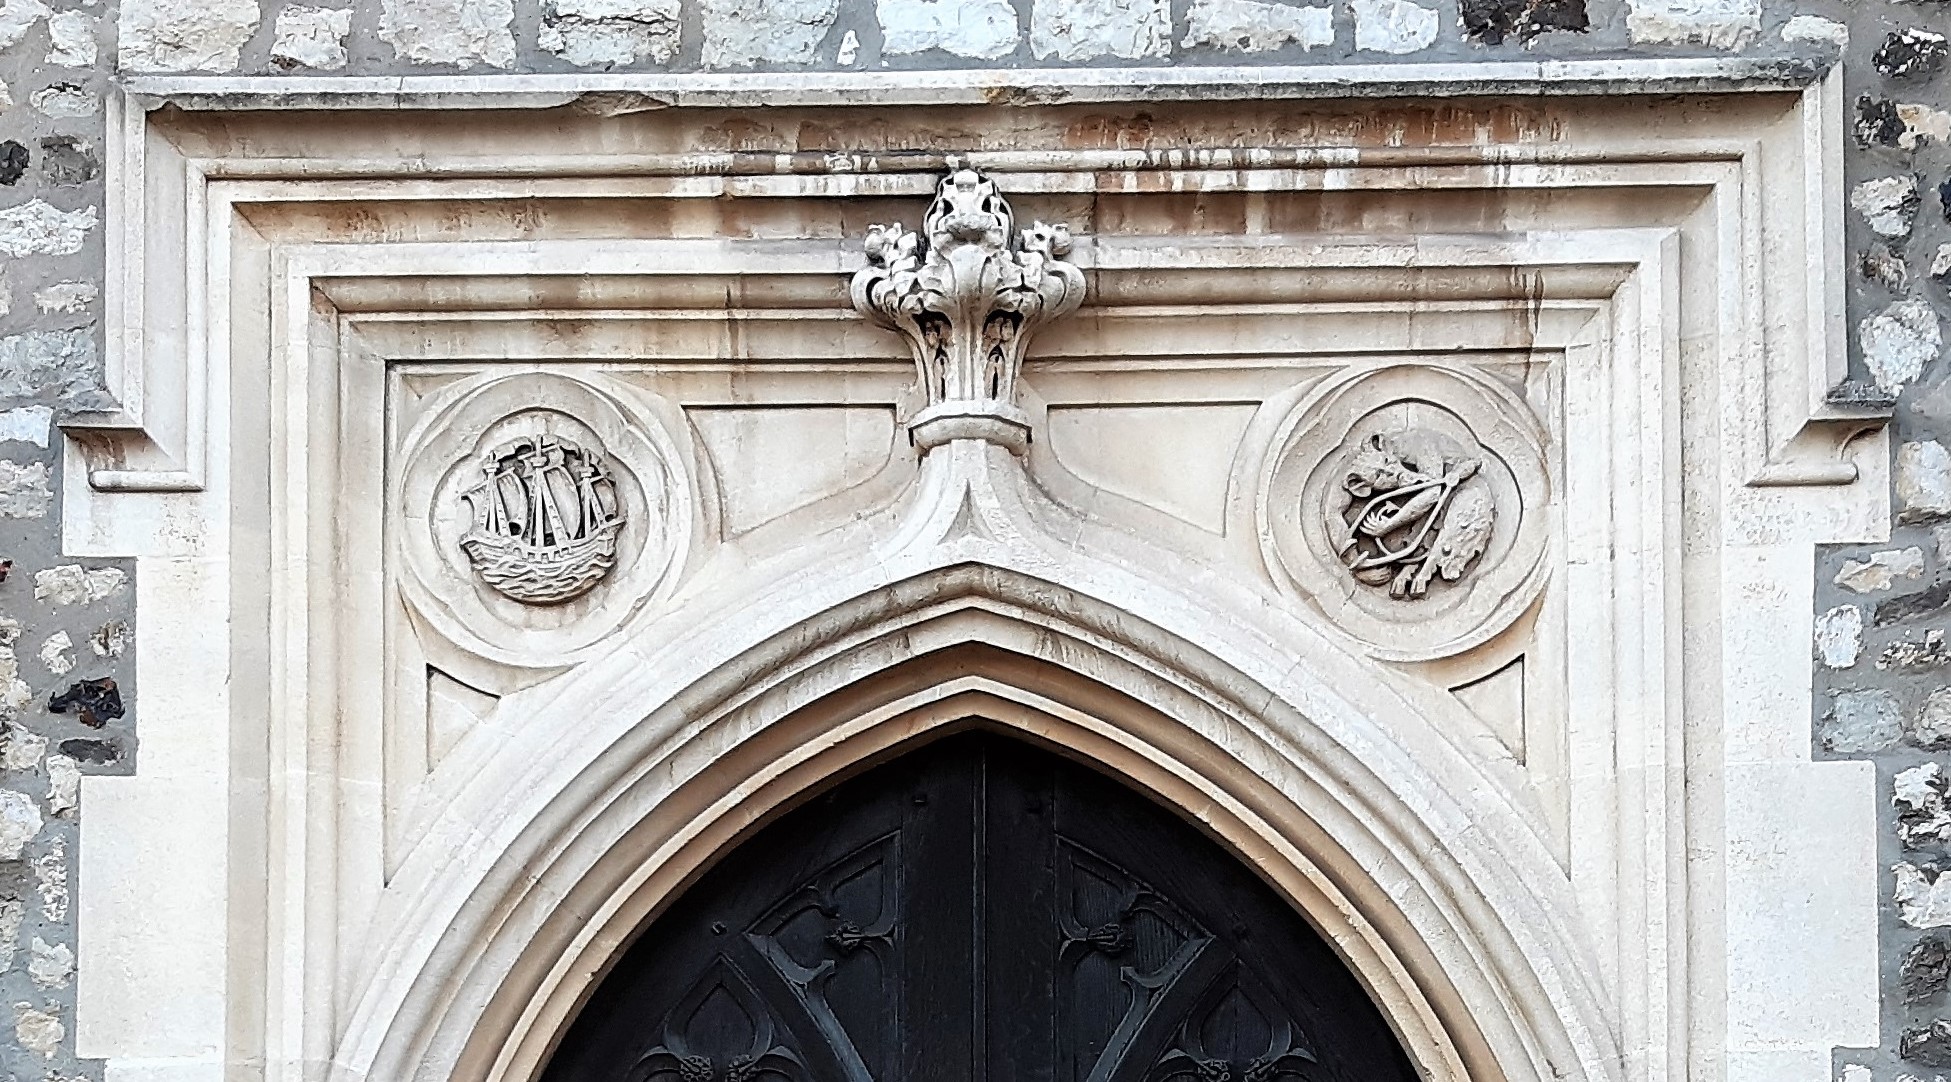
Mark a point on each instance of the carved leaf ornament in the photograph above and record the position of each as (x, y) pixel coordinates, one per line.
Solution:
(966, 292)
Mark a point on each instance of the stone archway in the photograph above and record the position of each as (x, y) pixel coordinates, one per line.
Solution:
(1554, 811)
(1427, 915)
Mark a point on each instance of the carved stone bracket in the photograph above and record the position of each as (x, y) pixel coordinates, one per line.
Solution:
(966, 292)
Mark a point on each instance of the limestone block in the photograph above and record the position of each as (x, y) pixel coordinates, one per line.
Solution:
(35, 228)
(741, 33)
(593, 33)
(312, 37)
(1899, 341)
(71, 40)
(1392, 26)
(1250, 26)
(1839, 636)
(1814, 29)
(1924, 480)
(1861, 721)
(463, 33)
(1087, 29)
(1881, 570)
(166, 35)
(1719, 24)
(979, 29)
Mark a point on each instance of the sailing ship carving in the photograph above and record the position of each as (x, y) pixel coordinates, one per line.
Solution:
(546, 520)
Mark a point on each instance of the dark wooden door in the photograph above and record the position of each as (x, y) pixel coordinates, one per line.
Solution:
(979, 910)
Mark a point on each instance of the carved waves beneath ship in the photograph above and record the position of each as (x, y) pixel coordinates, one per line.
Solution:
(546, 520)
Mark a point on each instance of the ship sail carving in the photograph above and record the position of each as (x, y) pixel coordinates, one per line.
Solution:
(545, 520)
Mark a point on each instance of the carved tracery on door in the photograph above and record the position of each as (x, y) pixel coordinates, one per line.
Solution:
(979, 909)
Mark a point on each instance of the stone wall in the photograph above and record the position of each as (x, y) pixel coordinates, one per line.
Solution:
(1882, 654)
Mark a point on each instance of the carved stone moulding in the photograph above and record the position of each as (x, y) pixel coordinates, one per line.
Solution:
(1408, 504)
(539, 511)
(967, 291)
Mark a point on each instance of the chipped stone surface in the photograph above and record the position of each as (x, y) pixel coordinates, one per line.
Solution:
(12, 914)
(1839, 636)
(1915, 655)
(1249, 26)
(110, 639)
(28, 424)
(309, 37)
(71, 584)
(169, 35)
(63, 785)
(67, 161)
(1921, 123)
(1923, 480)
(21, 749)
(23, 489)
(1888, 204)
(17, 17)
(51, 880)
(56, 654)
(1088, 29)
(64, 101)
(1923, 895)
(461, 33)
(1881, 570)
(979, 29)
(608, 33)
(849, 51)
(71, 40)
(1392, 26)
(20, 823)
(36, 228)
(1861, 720)
(1718, 24)
(15, 695)
(1912, 53)
(1899, 342)
(738, 33)
(63, 362)
(50, 965)
(1491, 21)
(38, 1030)
(1931, 728)
(1926, 968)
(1922, 818)
(1928, 1045)
(66, 296)
(1814, 29)
(1911, 606)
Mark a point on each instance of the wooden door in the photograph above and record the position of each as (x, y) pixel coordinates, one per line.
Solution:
(979, 909)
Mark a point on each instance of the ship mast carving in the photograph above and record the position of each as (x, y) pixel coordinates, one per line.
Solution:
(545, 520)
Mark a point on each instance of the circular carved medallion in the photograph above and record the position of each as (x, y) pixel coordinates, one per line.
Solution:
(1406, 504)
(539, 512)
(546, 518)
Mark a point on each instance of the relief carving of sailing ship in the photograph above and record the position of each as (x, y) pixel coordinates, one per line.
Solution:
(546, 520)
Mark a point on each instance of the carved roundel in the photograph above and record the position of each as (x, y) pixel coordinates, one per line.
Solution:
(538, 512)
(1407, 504)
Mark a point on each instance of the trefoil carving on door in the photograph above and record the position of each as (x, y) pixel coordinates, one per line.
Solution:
(967, 291)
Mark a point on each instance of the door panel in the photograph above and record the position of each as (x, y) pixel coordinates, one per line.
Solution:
(979, 909)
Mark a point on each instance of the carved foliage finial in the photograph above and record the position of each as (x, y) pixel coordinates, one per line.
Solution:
(966, 292)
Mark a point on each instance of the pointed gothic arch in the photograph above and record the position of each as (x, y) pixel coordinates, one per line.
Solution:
(1437, 899)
